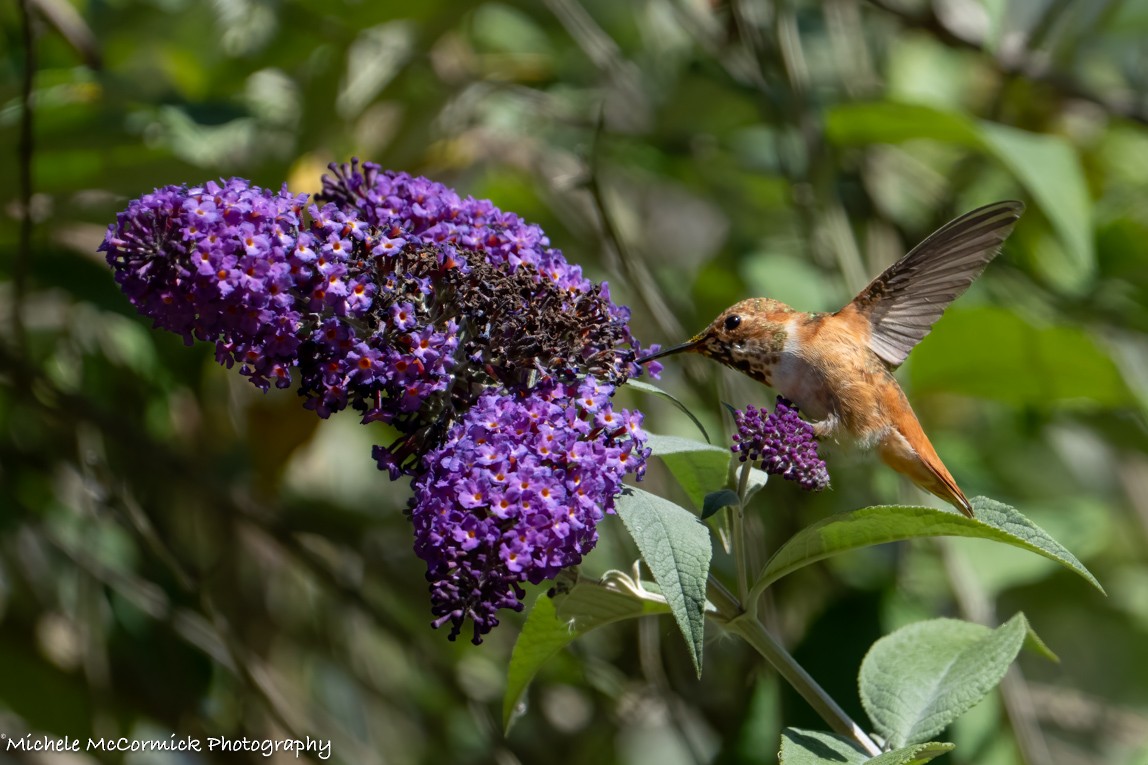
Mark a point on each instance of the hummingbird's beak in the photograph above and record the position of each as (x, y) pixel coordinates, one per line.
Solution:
(684, 347)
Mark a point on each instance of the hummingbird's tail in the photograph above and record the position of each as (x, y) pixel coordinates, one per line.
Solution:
(907, 450)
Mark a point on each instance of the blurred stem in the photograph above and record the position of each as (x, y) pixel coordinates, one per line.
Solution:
(25, 149)
(632, 269)
(246, 666)
(649, 655)
(739, 553)
(735, 619)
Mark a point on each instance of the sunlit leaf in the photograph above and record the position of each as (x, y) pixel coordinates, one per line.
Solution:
(891, 523)
(676, 547)
(550, 627)
(813, 747)
(915, 754)
(810, 747)
(699, 467)
(917, 680)
(1047, 166)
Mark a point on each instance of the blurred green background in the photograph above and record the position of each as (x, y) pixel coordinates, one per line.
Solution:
(182, 554)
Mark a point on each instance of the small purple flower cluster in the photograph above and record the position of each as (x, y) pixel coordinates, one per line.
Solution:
(453, 322)
(783, 443)
(515, 493)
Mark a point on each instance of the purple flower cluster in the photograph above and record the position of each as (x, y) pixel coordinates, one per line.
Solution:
(782, 442)
(410, 209)
(233, 264)
(453, 322)
(515, 494)
(274, 289)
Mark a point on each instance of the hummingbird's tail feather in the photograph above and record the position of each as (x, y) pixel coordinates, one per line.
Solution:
(907, 450)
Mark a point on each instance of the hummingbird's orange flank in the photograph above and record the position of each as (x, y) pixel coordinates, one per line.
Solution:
(838, 367)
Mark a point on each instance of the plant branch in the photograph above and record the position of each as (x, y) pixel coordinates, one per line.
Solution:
(750, 629)
(739, 553)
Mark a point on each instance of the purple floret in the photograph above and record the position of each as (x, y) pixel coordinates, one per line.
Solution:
(782, 442)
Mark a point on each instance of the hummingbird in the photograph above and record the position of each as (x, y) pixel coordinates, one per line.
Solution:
(838, 367)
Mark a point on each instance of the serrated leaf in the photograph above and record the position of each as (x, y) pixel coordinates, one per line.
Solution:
(676, 547)
(917, 680)
(646, 387)
(814, 747)
(716, 500)
(698, 467)
(551, 626)
(912, 755)
(891, 523)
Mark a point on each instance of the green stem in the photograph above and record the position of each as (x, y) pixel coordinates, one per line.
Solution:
(739, 556)
(747, 627)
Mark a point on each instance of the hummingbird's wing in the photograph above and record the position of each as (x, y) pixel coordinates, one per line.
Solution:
(902, 303)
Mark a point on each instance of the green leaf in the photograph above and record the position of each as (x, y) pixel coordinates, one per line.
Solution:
(810, 747)
(716, 500)
(814, 747)
(542, 636)
(891, 523)
(646, 387)
(912, 755)
(676, 547)
(591, 605)
(552, 626)
(699, 467)
(1036, 644)
(890, 122)
(1049, 168)
(758, 478)
(1027, 362)
(920, 678)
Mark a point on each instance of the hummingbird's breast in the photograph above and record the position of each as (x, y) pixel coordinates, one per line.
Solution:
(801, 378)
(830, 373)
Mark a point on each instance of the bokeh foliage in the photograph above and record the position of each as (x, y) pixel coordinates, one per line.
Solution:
(179, 553)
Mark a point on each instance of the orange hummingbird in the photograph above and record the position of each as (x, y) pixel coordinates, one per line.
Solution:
(837, 367)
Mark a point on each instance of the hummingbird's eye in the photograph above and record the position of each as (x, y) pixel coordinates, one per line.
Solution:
(732, 322)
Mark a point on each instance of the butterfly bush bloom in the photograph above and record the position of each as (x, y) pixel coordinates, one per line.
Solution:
(782, 442)
(515, 494)
(226, 263)
(451, 321)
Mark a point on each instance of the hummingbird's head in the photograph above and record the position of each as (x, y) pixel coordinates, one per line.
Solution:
(747, 336)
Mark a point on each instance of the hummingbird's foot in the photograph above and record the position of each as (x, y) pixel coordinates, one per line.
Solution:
(827, 427)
